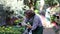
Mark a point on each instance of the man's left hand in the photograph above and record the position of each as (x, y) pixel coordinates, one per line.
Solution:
(29, 26)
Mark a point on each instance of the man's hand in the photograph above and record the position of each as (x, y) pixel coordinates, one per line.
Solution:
(29, 26)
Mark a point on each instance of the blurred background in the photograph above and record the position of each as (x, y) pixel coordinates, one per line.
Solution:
(12, 15)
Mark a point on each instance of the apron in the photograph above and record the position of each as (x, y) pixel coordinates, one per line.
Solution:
(38, 30)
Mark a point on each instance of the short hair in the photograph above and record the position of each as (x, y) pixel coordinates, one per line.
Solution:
(30, 13)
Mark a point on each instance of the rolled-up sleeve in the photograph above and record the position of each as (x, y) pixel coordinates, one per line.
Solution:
(24, 22)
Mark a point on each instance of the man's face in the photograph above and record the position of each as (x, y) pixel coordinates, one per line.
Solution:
(27, 16)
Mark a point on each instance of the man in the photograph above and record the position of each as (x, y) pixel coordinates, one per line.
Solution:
(33, 22)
